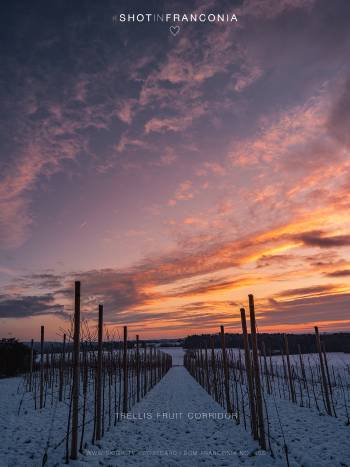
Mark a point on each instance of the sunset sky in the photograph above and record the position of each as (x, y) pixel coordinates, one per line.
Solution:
(175, 175)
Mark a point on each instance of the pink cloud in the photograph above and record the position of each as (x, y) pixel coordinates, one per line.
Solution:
(125, 110)
(19, 179)
(284, 134)
(126, 141)
(211, 167)
(184, 192)
(168, 158)
(272, 8)
(176, 124)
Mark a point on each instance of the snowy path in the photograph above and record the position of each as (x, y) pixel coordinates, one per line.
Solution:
(160, 441)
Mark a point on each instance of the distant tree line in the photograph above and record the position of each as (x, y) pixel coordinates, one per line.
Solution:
(14, 357)
(335, 342)
(56, 347)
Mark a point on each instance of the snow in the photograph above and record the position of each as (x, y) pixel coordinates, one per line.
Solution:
(338, 359)
(24, 436)
(176, 424)
(177, 354)
(313, 438)
(172, 428)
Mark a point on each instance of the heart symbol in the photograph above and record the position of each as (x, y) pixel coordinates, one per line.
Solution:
(174, 30)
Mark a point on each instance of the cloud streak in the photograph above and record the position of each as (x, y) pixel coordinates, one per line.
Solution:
(24, 307)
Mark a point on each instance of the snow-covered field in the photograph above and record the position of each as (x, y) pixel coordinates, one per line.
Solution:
(176, 424)
(177, 354)
(312, 437)
(177, 431)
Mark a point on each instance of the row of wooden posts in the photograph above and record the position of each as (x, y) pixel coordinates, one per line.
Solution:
(154, 362)
(253, 373)
(200, 365)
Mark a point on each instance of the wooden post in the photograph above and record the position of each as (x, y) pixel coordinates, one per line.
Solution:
(226, 372)
(99, 374)
(290, 378)
(324, 353)
(249, 371)
(153, 366)
(31, 365)
(323, 374)
(42, 337)
(200, 368)
(137, 369)
(149, 368)
(125, 371)
(145, 379)
(76, 374)
(62, 365)
(266, 369)
(213, 364)
(302, 365)
(207, 370)
(259, 404)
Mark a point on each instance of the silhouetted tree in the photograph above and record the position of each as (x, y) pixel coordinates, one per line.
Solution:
(334, 342)
(14, 357)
